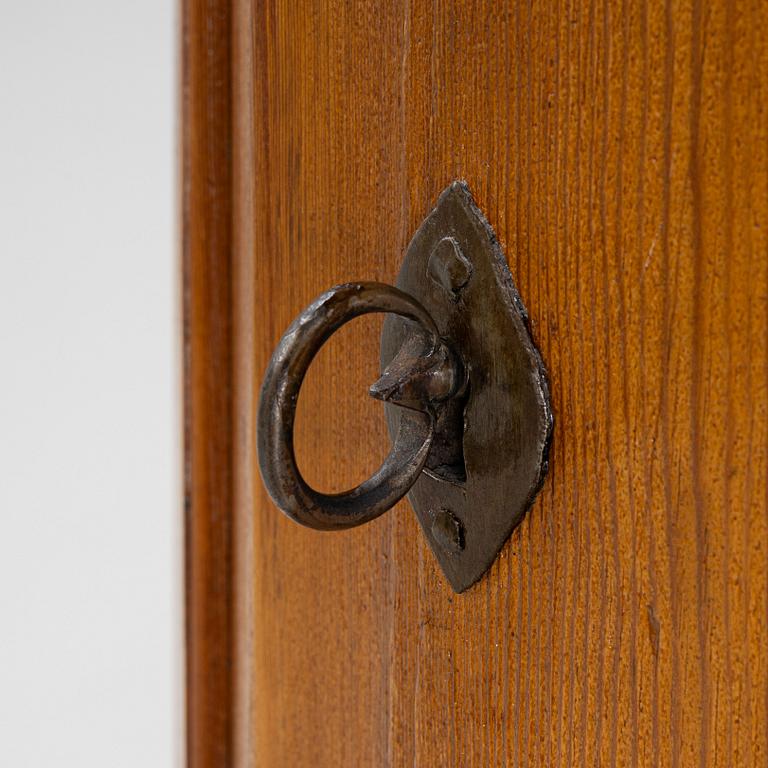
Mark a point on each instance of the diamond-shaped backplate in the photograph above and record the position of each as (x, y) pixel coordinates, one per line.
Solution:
(455, 267)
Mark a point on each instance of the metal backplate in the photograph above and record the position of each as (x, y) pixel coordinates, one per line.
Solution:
(490, 456)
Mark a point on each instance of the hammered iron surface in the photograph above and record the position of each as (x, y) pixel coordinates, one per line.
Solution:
(468, 506)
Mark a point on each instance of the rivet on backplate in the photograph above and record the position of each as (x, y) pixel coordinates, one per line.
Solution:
(448, 266)
(448, 531)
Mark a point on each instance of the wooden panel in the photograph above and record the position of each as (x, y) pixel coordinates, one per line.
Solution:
(620, 151)
(206, 200)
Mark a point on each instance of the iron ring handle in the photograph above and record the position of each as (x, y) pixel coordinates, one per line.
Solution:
(279, 397)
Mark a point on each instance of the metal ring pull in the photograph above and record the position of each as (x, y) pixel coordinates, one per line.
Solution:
(424, 373)
(464, 387)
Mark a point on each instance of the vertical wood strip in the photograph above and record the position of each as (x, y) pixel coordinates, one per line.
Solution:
(208, 392)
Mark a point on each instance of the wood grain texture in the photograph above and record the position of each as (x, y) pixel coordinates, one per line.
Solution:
(208, 372)
(620, 151)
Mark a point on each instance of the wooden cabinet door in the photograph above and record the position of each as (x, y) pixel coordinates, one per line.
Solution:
(620, 151)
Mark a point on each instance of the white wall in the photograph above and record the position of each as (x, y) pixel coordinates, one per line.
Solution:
(90, 607)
